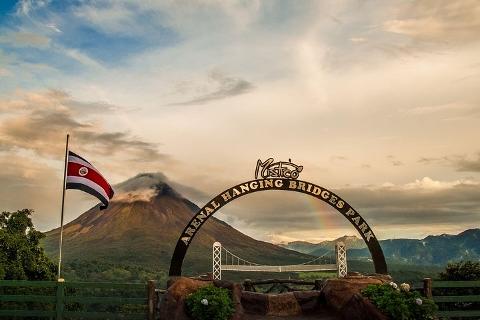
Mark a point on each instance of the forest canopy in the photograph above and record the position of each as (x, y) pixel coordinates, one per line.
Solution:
(21, 257)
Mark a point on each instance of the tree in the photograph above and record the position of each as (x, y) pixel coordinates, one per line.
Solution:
(21, 257)
(464, 270)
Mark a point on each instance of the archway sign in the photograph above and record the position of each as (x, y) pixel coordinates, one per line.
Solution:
(270, 175)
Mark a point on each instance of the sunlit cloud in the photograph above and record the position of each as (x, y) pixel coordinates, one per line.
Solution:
(39, 120)
(378, 100)
(439, 21)
(223, 87)
(25, 39)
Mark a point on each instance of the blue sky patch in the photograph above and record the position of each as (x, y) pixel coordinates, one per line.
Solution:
(111, 48)
(7, 7)
(59, 22)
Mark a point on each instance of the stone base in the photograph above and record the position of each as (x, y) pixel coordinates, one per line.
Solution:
(360, 308)
(340, 297)
(173, 302)
(284, 304)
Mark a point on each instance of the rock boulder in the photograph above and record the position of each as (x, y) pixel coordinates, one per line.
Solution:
(344, 294)
(173, 303)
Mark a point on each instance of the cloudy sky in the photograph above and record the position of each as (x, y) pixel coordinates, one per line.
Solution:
(378, 100)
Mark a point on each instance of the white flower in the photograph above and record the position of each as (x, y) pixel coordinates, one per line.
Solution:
(394, 285)
(418, 301)
(405, 287)
(204, 302)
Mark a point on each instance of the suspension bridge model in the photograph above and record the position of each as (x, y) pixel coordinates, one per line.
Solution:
(225, 260)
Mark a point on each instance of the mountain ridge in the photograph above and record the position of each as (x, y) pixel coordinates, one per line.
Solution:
(431, 250)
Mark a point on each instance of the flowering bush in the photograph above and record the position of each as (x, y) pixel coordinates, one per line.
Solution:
(400, 303)
(393, 285)
(405, 287)
(210, 303)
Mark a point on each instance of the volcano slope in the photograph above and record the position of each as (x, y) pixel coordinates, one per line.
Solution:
(141, 227)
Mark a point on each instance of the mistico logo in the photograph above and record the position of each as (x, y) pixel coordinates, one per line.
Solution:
(280, 169)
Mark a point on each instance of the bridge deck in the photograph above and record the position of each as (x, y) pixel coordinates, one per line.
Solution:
(288, 268)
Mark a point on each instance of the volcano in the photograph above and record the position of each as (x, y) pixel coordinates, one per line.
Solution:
(141, 227)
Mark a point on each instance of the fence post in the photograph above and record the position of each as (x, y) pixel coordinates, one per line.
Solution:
(152, 299)
(248, 286)
(60, 298)
(318, 284)
(427, 288)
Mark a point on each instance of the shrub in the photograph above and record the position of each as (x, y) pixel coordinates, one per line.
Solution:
(210, 303)
(464, 270)
(460, 271)
(400, 304)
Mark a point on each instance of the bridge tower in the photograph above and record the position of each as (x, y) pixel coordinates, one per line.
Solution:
(341, 255)
(217, 261)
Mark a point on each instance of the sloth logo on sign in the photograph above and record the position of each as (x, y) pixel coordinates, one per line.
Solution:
(280, 169)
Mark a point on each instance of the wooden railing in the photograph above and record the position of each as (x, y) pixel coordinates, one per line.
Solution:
(281, 285)
(73, 300)
(429, 291)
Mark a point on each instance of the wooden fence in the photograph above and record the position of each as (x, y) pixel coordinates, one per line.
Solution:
(430, 290)
(77, 300)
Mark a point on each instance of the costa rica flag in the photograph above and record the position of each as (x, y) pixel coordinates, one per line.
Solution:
(82, 175)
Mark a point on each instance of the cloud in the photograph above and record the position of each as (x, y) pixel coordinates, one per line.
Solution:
(438, 21)
(115, 17)
(24, 7)
(448, 111)
(422, 202)
(426, 110)
(469, 165)
(54, 27)
(430, 160)
(142, 187)
(334, 92)
(38, 121)
(53, 100)
(394, 161)
(32, 137)
(225, 87)
(4, 72)
(358, 40)
(338, 158)
(25, 39)
(462, 163)
(34, 181)
(81, 57)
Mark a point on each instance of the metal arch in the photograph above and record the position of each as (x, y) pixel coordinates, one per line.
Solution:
(323, 194)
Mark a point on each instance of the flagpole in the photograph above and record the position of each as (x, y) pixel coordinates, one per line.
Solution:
(63, 205)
